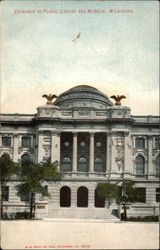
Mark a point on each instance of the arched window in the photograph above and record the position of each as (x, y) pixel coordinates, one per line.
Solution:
(82, 197)
(157, 166)
(25, 159)
(65, 197)
(66, 165)
(140, 165)
(82, 164)
(98, 165)
(99, 201)
(5, 156)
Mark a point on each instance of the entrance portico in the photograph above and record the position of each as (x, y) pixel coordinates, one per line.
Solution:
(81, 152)
(79, 200)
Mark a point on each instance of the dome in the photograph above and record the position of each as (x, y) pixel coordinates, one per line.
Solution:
(83, 96)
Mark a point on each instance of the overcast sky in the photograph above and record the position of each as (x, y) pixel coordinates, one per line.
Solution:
(116, 53)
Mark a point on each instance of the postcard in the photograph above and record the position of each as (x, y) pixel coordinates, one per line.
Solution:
(79, 97)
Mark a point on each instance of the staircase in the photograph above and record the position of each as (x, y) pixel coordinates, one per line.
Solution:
(84, 213)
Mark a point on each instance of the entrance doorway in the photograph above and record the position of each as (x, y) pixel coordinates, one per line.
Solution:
(98, 200)
(65, 197)
(82, 197)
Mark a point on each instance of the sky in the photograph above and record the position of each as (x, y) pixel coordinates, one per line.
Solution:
(116, 52)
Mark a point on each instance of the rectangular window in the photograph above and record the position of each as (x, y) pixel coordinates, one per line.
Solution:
(24, 198)
(26, 142)
(6, 141)
(140, 195)
(5, 193)
(157, 143)
(140, 143)
(157, 194)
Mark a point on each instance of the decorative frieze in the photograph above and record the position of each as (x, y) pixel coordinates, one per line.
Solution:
(48, 111)
(84, 113)
(99, 113)
(66, 113)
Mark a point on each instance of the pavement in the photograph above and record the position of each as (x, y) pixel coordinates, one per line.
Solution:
(56, 233)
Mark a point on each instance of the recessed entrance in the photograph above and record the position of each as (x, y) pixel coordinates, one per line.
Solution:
(98, 200)
(65, 197)
(82, 197)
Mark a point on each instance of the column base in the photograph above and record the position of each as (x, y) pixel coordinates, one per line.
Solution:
(91, 173)
(127, 175)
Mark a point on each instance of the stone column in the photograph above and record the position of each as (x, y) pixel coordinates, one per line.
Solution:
(15, 147)
(74, 156)
(91, 153)
(113, 165)
(127, 153)
(74, 197)
(108, 153)
(150, 160)
(55, 147)
(40, 150)
(91, 197)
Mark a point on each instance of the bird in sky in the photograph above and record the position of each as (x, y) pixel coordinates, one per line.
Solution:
(49, 98)
(77, 37)
(118, 99)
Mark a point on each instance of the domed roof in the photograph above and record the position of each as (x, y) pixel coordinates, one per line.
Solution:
(83, 96)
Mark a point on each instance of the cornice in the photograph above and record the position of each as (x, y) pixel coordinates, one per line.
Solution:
(58, 120)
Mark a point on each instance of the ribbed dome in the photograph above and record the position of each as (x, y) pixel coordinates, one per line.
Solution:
(83, 96)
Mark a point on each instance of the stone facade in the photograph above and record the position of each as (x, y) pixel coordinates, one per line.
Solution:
(93, 141)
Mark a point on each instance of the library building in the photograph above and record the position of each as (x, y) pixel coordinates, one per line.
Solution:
(95, 140)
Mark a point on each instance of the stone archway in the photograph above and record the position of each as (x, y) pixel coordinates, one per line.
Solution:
(82, 197)
(65, 197)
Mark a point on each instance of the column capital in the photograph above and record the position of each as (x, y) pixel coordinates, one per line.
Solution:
(109, 133)
(15, 135)
(40, 132)
(126, 133)
(75, 133)
(92, 134)
(58, 133)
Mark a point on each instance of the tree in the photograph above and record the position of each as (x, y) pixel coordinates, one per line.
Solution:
(123, 194)
(128, 193)
(33, 177)
(107, 190)
(7, 169)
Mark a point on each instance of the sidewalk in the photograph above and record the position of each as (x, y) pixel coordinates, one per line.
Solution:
(78, 234)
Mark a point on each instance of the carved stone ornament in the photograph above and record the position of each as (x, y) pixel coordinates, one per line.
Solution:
(101, 113)
(66, 113)
(47, 150)
(119, 161)
(49, 98)
(83, 113)
(118, 99)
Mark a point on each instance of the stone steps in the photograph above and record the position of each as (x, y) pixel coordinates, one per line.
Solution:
(82, 213)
